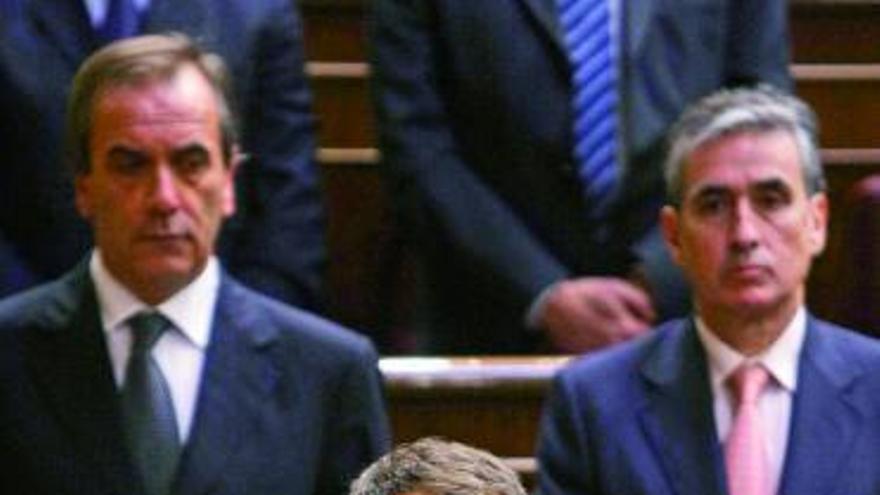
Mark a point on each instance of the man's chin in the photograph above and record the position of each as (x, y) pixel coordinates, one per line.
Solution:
(755, 301)
(166, 275)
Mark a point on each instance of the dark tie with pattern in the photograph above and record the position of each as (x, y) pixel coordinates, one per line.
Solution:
(122, 21)
(586, 30)
(148, 410)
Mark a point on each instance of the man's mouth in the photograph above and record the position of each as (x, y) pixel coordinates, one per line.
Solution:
(748, 271)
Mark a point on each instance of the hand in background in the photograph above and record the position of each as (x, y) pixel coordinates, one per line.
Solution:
(587, 313)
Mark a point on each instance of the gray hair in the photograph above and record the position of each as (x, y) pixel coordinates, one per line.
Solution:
(134, 61)
(438, 467)
(732, 111)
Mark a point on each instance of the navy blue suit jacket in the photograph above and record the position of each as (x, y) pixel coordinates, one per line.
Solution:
(473, 99)
(275, 243)
(638, 419)
(289, 403)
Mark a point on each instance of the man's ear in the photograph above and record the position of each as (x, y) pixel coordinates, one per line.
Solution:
(669, 226)
(83, 195)
(236, 159)
(819, 210)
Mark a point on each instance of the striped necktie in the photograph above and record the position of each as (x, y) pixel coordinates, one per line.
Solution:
(586, 29)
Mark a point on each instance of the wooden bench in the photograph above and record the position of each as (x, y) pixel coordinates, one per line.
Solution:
(493, 403)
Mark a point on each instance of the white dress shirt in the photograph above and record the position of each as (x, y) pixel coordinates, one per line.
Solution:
(97, 9)
(781, 361)
(180, 351)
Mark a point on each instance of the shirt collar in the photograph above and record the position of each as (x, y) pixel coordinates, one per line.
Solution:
(97, 9)
(780, 359)
(191, 309)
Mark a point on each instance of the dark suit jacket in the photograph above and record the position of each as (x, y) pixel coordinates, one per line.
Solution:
(275, 242)
(289, 403)
(473, 102)
(638, 419)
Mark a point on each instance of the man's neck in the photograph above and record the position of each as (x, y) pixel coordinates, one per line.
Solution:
(750, 331)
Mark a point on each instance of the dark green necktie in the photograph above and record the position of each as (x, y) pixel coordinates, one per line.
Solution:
(148, 410)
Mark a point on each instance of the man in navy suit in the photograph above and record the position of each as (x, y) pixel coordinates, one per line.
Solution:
(258, 397)
(275, 241)
(661, 415)
(475, 114)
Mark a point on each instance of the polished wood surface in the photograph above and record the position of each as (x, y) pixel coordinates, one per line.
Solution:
(493, 403)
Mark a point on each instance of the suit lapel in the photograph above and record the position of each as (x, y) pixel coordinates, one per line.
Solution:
(637, 19)
(70, 363)
(825, 418)
(239, 380)
(65, 25)
(678, 419)
(546, 18)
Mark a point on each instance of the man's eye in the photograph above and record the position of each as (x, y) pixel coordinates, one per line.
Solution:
(126, 163)
(192, 164)
(772, 200)
(710, 205)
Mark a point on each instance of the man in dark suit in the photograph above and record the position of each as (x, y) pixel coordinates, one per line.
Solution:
(751, 393)
(475, 114)
(275, 242)
(149, 369)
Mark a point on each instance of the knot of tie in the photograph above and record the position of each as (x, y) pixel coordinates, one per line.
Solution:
(147, 327)
(747, 383)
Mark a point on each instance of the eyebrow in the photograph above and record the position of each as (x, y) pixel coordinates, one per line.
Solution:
(768, 184)
(191, 148)
(121, 149)
(773, 183)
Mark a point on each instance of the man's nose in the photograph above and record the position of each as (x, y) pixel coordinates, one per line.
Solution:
(165, 194)
(744, 228)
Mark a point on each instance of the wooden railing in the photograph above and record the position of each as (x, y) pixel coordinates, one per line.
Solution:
(492, 403)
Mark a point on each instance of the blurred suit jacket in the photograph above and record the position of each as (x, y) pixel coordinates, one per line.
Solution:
(289, 403)
(638, 419)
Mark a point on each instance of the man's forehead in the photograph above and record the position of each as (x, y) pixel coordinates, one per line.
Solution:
(185, 87)
(743, 161)
(751, 184)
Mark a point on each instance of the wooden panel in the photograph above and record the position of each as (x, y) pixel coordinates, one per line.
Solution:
(492, 403)
(370, 275)
(334, 32)
(845, 97)
(359, 229)
(835, 32)
(341, 94)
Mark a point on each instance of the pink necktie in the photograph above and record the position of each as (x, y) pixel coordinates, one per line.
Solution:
(745, 454)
